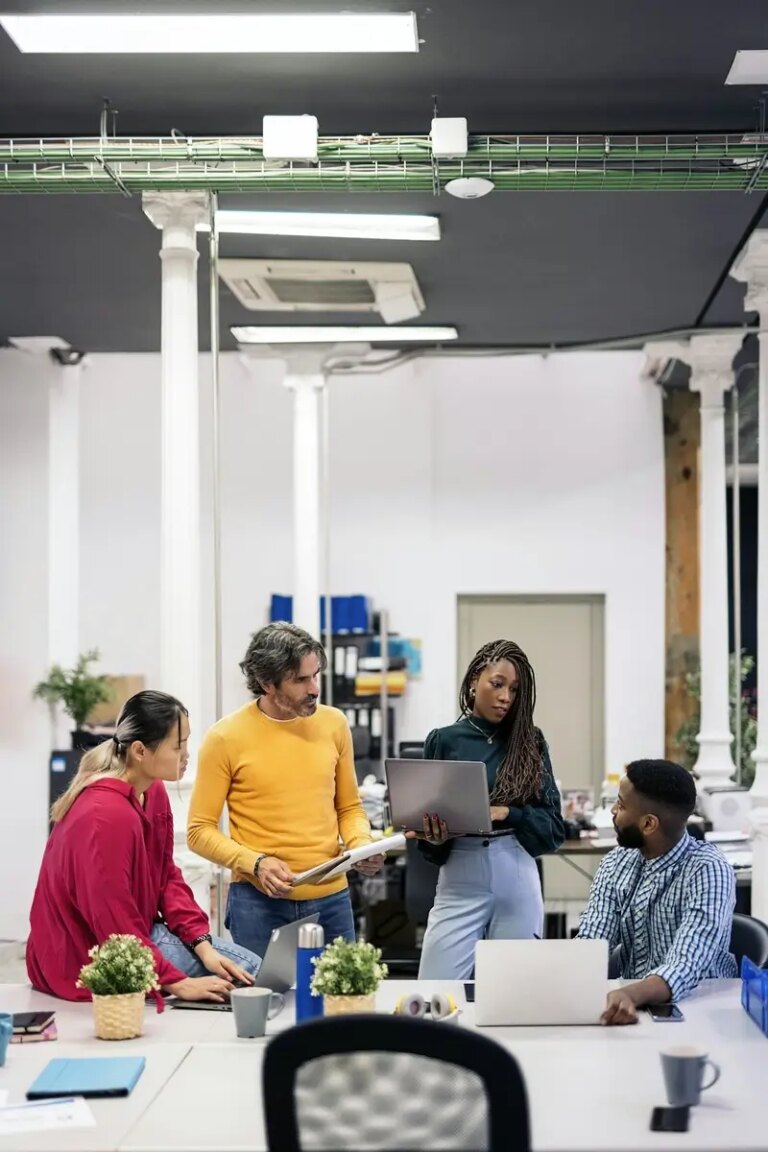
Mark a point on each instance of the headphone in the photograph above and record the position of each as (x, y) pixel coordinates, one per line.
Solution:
(441, 1006)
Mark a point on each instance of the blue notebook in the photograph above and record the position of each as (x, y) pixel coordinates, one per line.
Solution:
(102, 1076)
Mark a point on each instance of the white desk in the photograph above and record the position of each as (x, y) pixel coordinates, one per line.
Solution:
(590, 1089)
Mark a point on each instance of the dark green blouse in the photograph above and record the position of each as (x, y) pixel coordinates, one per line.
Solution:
(538, 825)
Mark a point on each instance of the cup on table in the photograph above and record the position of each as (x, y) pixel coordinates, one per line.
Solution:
(685, 1071)
(252, 1008)
(6, 1031)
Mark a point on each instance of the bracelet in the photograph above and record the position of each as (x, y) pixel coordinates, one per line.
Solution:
(259, 859)
(206, 938)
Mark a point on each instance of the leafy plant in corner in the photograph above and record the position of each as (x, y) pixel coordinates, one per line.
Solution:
(347, 969)
(77, 689)
(687, 732)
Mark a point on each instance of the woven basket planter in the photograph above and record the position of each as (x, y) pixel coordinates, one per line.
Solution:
(119, 1017)
(346, 1005)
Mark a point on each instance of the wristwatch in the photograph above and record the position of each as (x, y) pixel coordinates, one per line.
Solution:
(206, 938)
(258, 861)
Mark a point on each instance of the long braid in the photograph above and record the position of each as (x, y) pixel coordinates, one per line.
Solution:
(518, 780)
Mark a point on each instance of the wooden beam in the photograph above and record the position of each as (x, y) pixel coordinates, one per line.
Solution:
(681, 449)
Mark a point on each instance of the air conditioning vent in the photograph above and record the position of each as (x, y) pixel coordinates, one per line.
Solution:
(324, 286)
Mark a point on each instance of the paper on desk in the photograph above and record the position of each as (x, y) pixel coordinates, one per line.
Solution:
(339, 864)
(46, 1116)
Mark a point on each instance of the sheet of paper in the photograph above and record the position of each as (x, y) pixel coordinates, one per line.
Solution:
(46, 1116)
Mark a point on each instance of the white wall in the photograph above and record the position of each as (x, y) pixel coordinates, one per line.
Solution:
(482, 475)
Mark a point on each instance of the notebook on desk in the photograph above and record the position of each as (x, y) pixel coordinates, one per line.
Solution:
(101, 1076)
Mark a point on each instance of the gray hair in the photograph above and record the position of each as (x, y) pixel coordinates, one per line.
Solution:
(277, 651)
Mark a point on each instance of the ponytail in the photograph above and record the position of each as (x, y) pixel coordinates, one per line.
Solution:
(103, 760)
(147, 717)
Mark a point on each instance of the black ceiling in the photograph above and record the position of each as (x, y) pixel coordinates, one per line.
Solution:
(513, 269)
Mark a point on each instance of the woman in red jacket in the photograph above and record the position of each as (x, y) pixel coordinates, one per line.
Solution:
(108, 866)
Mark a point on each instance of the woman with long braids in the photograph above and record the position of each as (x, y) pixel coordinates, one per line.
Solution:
(490, 886)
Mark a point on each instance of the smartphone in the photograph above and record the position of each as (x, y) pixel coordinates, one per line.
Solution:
(670, 1119)
(469, 992)
(32, 1021)
(664, 1013)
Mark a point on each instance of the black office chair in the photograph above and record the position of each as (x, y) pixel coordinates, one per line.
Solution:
(749, 937)
(391, 1083)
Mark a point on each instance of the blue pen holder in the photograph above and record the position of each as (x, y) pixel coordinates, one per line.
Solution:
(6, 1031)
(754, 993)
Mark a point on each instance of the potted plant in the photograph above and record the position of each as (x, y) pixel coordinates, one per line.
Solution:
(78, 690)
(347, 976)
(120, 973)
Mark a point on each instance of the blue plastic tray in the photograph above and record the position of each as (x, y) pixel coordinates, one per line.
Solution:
(754, 993)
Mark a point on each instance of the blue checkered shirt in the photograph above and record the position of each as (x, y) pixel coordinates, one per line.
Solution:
(672, 916)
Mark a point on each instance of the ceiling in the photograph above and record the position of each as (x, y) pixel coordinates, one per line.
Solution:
(514, 269)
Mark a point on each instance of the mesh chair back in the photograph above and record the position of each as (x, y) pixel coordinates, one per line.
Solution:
(391, 1083)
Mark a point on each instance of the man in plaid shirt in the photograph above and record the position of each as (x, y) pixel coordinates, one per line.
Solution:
(666, 899)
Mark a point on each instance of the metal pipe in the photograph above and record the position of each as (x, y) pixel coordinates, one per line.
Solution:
(213, 286)
(384, 691)
(736, 545)
(325, 467)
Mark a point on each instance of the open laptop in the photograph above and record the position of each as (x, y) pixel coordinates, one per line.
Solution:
(278, 966)
(457, 790)
(537, 982)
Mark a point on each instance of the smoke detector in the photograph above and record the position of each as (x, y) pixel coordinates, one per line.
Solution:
(470, 187)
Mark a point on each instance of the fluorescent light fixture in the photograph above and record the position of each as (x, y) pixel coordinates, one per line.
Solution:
(179, 33)
(328, 334)
(749, 67)
(339, 225)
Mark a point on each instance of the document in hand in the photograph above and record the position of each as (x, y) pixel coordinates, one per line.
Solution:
(348, 859)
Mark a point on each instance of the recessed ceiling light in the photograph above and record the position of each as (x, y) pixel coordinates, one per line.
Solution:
(340, 225)
(212, 33)
(749, 67)
(470, 187)
(327, 334)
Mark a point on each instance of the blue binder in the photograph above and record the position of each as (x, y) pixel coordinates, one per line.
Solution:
(102, 1076)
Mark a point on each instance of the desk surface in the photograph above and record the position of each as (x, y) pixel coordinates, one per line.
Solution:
(202, 1086)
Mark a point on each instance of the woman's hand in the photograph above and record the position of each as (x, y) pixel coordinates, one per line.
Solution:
(201, 988)
(219, 965)
(434, 830)
(498, 813)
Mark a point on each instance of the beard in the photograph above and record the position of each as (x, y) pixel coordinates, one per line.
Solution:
(629, 837)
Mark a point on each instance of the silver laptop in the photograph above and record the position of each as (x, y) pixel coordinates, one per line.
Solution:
(456, 790)
(278, 966)
(534, 982)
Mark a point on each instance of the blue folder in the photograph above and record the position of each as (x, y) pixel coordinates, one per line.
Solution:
(102, 1076)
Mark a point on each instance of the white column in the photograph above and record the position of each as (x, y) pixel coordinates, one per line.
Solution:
(711, 360)
(752, 267)
(64, 527)
(306, 379)
(176, 214)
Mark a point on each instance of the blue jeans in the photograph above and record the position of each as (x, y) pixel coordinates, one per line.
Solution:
(488, 891)
(187, 962)
(252, 916)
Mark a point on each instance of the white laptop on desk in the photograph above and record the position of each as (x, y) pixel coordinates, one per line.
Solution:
(537, 982)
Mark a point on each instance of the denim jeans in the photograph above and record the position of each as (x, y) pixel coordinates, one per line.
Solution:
(252, 916)
(187, 962)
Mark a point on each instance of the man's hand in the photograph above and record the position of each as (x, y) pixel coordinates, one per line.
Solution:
(434, 830)
(619, 1009)
(219, 965)
(274, 877)
(201, 988)
(371, 865)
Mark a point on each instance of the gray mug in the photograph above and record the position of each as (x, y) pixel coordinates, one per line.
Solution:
(252, 1007)
(684, 1071)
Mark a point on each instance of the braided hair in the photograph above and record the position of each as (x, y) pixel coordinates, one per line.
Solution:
(519, 778)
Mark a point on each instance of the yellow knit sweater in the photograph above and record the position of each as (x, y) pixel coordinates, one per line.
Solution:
(290, 789)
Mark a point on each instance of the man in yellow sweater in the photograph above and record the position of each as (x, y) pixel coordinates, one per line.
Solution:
(284, 767)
